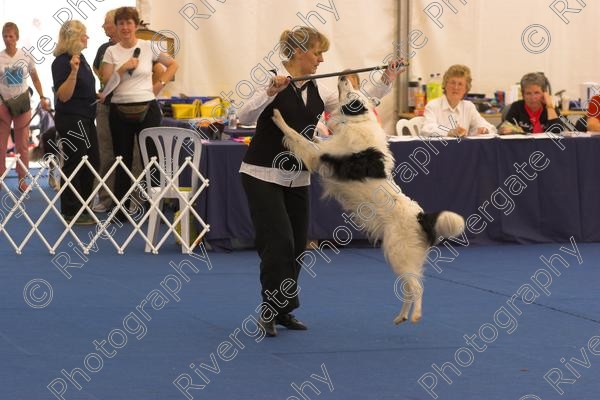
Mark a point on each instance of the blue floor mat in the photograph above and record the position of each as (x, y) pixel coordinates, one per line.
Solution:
(351, 351)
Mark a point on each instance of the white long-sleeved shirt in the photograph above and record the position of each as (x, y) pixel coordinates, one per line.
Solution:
(252, 108)
(440, 118)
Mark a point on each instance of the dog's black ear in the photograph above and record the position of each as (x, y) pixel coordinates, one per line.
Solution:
(355, 107)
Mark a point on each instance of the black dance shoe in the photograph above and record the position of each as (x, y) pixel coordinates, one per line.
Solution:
(268, 327)
(290, 322)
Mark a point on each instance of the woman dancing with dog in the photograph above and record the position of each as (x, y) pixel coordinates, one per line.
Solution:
(277, 187)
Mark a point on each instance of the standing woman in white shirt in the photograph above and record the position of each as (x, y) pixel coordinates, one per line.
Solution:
(133, 105)
(450, 115)
(15, 67)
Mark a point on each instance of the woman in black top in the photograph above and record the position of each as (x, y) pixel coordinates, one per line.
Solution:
(276, 184)
(536, 112)
(75, 112)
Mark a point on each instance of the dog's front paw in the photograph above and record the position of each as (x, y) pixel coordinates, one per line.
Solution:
(277, 118)
(399, 319)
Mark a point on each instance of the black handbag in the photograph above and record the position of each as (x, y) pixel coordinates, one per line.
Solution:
(133, 112)
(18, 105)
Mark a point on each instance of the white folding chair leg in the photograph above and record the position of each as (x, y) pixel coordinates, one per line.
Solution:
(185, 231)
(153, 225)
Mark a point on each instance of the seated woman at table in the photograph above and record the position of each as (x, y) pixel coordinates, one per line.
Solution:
(536, 112)
(450, 115)
(593, 114)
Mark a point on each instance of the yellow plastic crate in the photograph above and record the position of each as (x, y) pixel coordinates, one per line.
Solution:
(212, 109)
(186, 111)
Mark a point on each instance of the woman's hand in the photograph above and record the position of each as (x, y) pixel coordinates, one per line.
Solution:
(548, 100)
(549, 104)
(482, 130)
(75, 61)
(278, 83)
(395, 67)
(458, 132)
(130, 64)
(45, 103)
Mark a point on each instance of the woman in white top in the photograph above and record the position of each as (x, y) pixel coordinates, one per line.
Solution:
(450, 115)
(15, 67)
(133, 106)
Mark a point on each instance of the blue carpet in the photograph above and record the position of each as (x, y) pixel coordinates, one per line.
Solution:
(351, 351)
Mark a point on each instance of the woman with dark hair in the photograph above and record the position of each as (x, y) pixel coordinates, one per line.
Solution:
(75, 113)
(278, 198)
(536, 112)
(15, 67)
(133, 105)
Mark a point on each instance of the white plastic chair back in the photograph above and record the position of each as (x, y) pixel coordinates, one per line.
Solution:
(169, 143)
(409, 127)
(173, 145)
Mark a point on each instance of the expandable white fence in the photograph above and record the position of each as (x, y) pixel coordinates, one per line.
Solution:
(14, 205)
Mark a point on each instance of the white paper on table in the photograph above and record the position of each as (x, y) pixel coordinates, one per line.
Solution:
(484, 136)
(403, 138)
(578, 134)
(439, 138)
(516, 136)
(545, 135)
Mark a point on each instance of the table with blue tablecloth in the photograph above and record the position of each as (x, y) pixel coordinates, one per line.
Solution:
(557, 198)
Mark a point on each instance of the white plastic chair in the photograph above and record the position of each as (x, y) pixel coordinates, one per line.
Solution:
(169, 143)
(413, 126)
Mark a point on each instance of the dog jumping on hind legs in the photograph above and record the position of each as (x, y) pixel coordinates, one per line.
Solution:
(355, 166)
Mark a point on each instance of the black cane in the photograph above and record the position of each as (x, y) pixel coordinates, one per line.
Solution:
(346, 72)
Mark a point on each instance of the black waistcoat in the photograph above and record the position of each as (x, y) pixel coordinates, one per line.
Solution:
(266, 148)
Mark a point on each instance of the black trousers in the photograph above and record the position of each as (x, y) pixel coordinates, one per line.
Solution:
(280, 218)
(123, 134)
(78, 138)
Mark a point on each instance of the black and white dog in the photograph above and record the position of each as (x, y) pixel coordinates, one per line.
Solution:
(355, 165)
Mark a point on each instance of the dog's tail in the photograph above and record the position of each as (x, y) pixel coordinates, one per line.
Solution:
(441, 224)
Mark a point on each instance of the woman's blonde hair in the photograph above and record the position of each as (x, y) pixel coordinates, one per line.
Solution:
(69, 38)
(110, 15)
(457, 71)
(302, 38)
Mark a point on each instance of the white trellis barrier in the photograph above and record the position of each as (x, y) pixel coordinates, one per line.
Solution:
(51, 163)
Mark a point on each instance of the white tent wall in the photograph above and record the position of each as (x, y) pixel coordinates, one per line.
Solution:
(221, 51)
(487, 36)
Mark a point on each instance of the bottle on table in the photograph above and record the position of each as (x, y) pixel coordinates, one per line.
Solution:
(430, 88)
(413, 88)
(438, 91)
(420, 101)
(231, 116)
